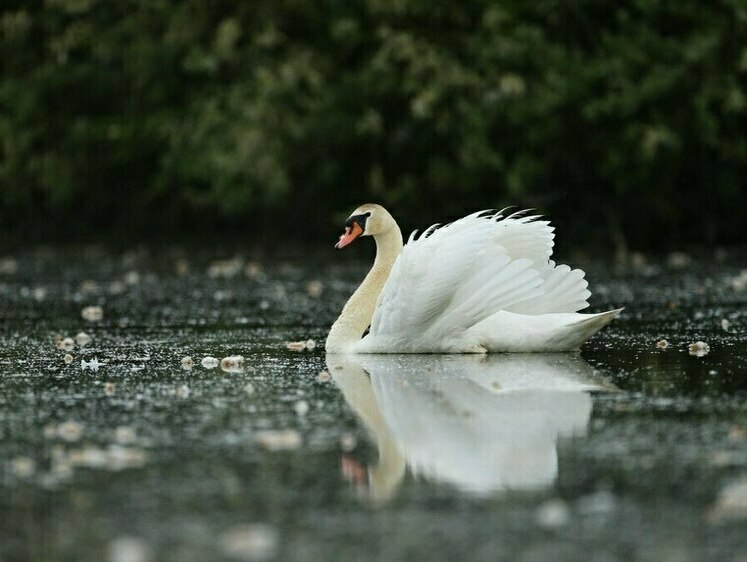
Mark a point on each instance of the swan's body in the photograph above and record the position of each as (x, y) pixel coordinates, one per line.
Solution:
(484, 283)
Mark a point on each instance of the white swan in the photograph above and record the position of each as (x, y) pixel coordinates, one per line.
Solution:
(481, 424)
(484, 283)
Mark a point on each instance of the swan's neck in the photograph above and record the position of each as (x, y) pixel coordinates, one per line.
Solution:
(357, 314)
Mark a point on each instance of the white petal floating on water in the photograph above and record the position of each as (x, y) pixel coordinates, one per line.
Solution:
(301, 407)
(301, 345)
(731, 503)
(225, 268)
(725, 324)
(70, 430)
(552, 514)
(232, 364)
(256, 541)
(89, 457)
(187, 363)
(598, 503)
(699, 349)
(82, 339)
(68, 358)
(279, 439)
(23, 467)
(129, 549)
(314, 289)
(120, 458)
(253, 270)
(209, 362)
(124, 435)
(182, 391)
(132, 278)
(662, 344)
(65, 344)
(93, 364)
(8, 266)
(92, 313)
(109, 388)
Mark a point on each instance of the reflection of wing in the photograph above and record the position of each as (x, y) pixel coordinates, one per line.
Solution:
(481, 423)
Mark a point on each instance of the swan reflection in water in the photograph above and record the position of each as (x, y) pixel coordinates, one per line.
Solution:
(479, 423)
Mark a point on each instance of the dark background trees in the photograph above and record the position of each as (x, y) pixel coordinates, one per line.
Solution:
(624, 121)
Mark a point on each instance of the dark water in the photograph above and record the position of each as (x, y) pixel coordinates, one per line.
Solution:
(623, 452)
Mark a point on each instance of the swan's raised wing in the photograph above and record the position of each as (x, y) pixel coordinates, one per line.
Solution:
(450, 278)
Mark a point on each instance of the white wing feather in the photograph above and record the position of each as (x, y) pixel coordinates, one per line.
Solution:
(451, 278)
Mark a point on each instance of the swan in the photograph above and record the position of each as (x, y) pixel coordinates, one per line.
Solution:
(484, 283)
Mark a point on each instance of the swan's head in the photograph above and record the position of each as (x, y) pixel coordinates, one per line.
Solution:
(367, 220)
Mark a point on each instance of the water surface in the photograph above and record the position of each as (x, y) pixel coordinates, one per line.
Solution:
(624, 451)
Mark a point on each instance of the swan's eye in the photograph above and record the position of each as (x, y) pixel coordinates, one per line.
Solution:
(359, 219)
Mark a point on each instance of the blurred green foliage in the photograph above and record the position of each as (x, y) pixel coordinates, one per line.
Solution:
(625, 121)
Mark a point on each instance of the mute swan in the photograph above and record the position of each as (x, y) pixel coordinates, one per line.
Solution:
(484, 283)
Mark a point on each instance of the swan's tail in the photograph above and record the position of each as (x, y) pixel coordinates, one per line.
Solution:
(565, 331)
(590, 324)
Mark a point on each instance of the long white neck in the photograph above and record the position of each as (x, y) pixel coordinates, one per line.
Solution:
(357, 314)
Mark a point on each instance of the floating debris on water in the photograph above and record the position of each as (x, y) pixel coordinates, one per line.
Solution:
(699, 348)
(92, 313)
(301, 345)
(187, 363)
(69, 431)
(253, 270)
(739, 283)
(731, 503)
(662, 344)
(109, 388)
(82, 339)
(209, 362)
(120, 458)
(65, 344)
(232, 364)
(323, 376)
(181, 267)
(124, 435)
(256, 541)
(301, 407)
(225, 268)
(552, 514)
(8, 266)
(598, 503)
(279, 439)
(68, 358)
(93, 364)
(182, 391)
(23, 467)
(132, 278)
(348, 442)
(678, 260)
(129, 549)
(725, 324)
(314, 288)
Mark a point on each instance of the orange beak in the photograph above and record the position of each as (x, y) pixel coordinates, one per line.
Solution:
(350, 234)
